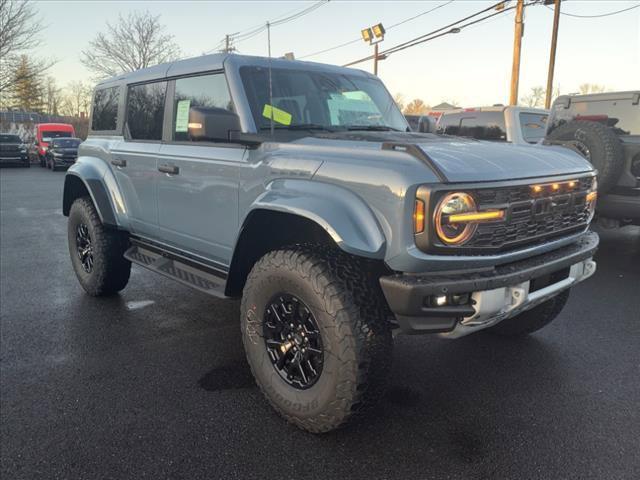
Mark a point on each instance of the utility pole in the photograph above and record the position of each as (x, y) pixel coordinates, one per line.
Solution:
(552, 55)
(517, 43)
(375, 59)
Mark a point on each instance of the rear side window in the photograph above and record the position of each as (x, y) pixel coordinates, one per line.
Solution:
(203, 92)
(449, 124)
(105, 109)
(484, 126)
(145, 110)
(533, 126)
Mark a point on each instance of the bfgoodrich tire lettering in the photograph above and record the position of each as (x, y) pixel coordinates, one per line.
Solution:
(346, 302)
(109, 271)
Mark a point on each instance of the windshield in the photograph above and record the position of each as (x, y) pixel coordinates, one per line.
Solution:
(66, 143)
(10, 139)
(316, 99)
(533, 126)
(49, 134)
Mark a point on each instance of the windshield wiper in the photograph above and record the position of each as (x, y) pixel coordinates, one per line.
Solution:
(299, 126)
(373, 128)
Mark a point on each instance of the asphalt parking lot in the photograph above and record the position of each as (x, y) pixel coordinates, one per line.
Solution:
(153, 383)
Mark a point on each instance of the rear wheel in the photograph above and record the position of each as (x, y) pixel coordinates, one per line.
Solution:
(316, 335)
(531, 320)
(97, 253)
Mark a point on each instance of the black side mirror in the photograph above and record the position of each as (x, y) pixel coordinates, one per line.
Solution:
(212, 124)
(427, 124)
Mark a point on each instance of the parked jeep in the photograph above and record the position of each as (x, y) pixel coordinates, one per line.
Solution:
(521, 125)
(298, 187)
(605, 129)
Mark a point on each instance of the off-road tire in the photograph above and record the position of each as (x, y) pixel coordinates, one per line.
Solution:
(605, 149)
(344, 295)
(111, 270)
(531, 320)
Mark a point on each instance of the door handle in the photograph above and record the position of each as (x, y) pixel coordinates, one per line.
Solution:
(117, 162)
(170, 169)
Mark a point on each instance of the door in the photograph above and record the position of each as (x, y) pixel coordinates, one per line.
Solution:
(134, 160)
(199, 179)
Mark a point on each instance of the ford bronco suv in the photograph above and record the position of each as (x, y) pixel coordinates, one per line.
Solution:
(605, 129)
(299, 187)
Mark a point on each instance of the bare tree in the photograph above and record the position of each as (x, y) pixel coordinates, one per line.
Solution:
(591, 88)
(535, 97)
(19, 32)
(137, 41)
(416, 107)
(51, 96)
(400, 100)
(76, 99)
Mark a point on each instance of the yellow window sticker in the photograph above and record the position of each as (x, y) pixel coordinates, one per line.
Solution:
(279, 116)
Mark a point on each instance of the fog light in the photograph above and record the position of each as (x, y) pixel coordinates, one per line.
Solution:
(441, 300)
(461, 299)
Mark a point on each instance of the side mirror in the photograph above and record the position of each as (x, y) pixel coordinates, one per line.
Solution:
(427, 124)
(212, 124)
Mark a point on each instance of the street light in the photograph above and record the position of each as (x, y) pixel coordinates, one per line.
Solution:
(374, 35)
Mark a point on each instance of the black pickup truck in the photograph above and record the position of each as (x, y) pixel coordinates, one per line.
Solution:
(13, 151)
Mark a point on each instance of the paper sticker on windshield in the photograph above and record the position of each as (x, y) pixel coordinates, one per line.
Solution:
(182, 116)
(279, 116)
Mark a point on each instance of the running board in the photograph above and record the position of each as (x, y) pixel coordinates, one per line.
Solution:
(190, 274)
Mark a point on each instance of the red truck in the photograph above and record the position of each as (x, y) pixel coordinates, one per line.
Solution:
(45, 132)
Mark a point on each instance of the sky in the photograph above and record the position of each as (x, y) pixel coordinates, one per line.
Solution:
(471, 68)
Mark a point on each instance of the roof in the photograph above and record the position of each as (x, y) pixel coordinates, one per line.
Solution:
(444, 106)
(218, 61)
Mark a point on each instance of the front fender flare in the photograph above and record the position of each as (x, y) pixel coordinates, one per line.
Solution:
(345, 217)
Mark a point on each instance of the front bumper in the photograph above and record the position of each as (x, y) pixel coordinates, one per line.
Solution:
(493, 294)
(14, 159)
(63, 161)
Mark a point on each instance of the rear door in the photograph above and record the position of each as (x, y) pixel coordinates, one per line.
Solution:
(134, 160)
(199, 179)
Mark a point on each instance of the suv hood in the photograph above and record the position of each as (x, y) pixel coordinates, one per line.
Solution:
(467, 160)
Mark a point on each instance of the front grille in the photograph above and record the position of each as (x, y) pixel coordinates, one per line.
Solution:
(530, 218)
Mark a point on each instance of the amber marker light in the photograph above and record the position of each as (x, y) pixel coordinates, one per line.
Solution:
(418, 216)
(591, 196)
(537, 188)
(555, 186)
(476, 216)
(572, 184)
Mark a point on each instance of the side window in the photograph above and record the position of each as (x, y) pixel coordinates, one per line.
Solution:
(202, 93)
(484, 126)
(449, 124)
(145, 110)
(105, 109)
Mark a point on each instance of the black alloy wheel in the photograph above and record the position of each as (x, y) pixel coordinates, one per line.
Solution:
(293, 340)
(84, 247)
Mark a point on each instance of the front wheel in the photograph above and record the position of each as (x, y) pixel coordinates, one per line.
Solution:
(316, 335)
(531, 320)
(97, 253)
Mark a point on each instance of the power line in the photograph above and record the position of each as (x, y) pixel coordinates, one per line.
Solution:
(447, 29)
(356, 40)
(596, 16)
(280, 20)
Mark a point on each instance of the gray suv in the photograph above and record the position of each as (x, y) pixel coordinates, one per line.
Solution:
(299, 187)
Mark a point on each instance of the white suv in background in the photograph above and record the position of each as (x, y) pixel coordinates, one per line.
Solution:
(520, 125)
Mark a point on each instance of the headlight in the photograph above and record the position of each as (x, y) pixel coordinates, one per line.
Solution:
(592, 196)
(456, 218)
